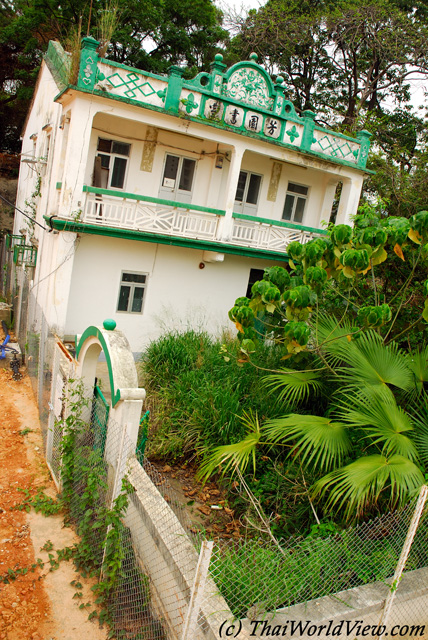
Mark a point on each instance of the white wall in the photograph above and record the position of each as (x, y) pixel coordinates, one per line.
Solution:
(209, 181)
(179, 294)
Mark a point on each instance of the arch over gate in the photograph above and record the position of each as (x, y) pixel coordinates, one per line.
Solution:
(126, 397)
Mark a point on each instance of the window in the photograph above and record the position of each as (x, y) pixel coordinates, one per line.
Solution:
(131, 294)
(111, 163)
(248, 187)
(295, 202)
(177, 179)
(247, 192)
(255, 276)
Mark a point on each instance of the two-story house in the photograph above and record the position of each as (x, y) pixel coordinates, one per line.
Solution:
(164, 198)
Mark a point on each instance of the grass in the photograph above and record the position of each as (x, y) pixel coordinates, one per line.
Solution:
(197, 397)
(254, 576)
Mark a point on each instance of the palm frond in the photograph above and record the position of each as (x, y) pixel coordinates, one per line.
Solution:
(372, 364)
(420, 421)
(293, 387)
(418, 364)
(361, 483)
(234, 455)
(333, 337)
(320, 441)
(383, 421)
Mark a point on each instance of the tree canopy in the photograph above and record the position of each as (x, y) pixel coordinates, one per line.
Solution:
(150, 35)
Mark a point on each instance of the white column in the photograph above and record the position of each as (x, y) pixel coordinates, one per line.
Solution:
(349, 199)
(327, 204)
(226, 224)
(76, 158)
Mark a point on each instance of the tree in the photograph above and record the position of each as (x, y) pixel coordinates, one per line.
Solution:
(341, 59)
(148, 35)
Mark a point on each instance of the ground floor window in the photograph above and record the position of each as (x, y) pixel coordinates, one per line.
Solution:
(255, 276)
(131, 293)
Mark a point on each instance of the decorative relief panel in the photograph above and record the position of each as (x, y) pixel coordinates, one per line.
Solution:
(253, 122)
(335, 146)
(293, 134)
(272, 128)
(234, 116)
(248, 85)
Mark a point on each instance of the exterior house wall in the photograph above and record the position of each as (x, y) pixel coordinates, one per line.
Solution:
(178, 294)
(209, 181)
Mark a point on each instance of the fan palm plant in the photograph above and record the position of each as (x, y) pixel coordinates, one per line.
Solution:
(371, 445)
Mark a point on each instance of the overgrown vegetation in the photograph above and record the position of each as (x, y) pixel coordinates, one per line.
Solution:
(197, 397)
(323, 405)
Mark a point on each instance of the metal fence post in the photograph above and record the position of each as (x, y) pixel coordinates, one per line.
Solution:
(403, 556)
(197, 590)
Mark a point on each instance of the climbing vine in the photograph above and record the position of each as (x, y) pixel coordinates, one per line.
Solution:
(31, 206)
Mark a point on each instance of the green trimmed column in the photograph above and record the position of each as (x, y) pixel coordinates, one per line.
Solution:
(175, 84)
(308, 131)
(217, 74)
(88, 63)
(364, 138)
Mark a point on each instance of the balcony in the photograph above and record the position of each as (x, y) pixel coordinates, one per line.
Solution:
(106, 210)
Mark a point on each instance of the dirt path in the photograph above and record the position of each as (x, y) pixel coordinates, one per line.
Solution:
(40, 604)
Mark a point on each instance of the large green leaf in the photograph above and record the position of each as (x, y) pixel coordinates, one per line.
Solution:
(333, 337)
(320, 441)
(372, 364)
(234, 455)
(361, 483)
(420, 421)
(294, 387)
(383, 421)
(418, 364)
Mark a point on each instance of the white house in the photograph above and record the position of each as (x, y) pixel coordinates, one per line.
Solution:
(164, 198)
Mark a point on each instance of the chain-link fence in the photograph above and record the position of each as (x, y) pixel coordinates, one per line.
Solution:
(256, 576)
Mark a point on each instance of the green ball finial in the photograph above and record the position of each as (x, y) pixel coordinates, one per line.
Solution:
(254, 57)
(279, 80)
(218, 57)
(109, 324)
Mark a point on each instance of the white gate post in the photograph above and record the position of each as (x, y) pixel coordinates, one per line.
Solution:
(404, 554)
(198, 590)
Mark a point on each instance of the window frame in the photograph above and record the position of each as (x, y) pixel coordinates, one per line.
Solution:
(296, 197)
(178, 177)
(133, 286)
(113, 155)
(244, 201)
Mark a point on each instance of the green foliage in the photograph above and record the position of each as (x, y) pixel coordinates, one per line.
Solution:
(198, 390)
(185, 33)
(40, 502)
(325, 562)
(338, 272)
(372, 440)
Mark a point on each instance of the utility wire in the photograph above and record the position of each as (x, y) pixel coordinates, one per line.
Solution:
(24, 214)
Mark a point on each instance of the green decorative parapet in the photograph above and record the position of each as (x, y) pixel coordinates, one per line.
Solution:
(364, 138)
(59, 63)
(88, 69)
(175, 85)
(242, 98)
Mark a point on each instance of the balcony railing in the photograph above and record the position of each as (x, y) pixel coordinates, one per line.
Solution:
(169, 218)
